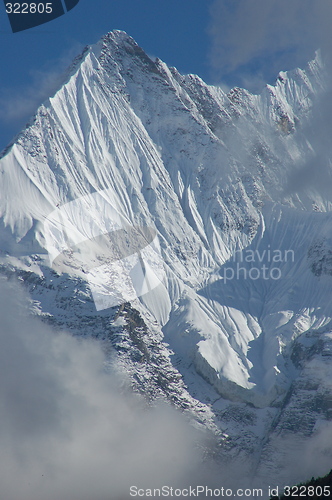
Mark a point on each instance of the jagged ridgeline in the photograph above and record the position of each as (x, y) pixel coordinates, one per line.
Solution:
(316, 489)
(238, 331)
(24, 15)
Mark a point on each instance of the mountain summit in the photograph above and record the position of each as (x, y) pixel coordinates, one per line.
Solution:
(230, 312)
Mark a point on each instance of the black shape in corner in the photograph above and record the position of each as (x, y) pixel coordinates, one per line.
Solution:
(70, 4)
(26, 14)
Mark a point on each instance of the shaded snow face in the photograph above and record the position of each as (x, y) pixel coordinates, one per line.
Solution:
(206, 171)
(67, 430)
(314, 172)
(90, 238)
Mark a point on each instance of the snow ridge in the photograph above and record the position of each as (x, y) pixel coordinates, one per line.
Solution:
(208, 171)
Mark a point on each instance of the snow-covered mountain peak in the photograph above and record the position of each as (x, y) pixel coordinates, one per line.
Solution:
(214, 176)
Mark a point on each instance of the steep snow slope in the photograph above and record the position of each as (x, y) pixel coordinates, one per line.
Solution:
(246, 259)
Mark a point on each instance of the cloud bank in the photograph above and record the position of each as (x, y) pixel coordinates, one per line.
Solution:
(66, 430)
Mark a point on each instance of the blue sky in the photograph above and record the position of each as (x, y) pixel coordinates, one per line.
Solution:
(231, 42)
(173, 30)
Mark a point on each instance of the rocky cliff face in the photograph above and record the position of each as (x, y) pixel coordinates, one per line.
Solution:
(236, 331)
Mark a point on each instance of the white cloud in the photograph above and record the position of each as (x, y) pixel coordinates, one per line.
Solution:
(66, 430)
(263, 37)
